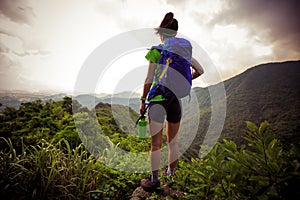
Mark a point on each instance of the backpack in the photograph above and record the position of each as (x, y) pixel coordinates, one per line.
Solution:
(176, 77)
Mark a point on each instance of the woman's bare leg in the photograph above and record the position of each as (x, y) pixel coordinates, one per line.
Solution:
(171, 132)
(156, 143)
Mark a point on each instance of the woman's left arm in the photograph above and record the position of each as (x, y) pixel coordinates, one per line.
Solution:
(147, 85)
(198, 69)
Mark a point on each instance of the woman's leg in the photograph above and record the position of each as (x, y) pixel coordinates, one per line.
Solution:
(156, 143)
(171, 132)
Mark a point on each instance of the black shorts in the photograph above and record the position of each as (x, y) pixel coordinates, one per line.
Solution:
(159, 110)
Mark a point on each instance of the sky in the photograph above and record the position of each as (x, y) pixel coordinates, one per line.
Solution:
(43, 44)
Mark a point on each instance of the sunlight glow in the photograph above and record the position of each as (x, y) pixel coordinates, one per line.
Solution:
(236, 35)
(262, 50)
(119, 68)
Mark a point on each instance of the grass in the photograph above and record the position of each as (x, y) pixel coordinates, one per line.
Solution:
(55, 171)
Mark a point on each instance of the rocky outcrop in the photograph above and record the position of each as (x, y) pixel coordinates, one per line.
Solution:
(160, 193)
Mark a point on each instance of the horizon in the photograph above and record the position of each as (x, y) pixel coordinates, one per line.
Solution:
(70, 93)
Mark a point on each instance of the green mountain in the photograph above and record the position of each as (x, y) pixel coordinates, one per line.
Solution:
(268, 92)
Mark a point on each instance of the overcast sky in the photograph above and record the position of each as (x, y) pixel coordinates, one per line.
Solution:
(43, 44)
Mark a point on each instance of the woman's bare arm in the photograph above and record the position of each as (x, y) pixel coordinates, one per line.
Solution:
(198, 70)
(147, 85)
(149, 79)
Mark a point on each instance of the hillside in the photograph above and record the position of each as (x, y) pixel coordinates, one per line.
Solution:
(267, 92)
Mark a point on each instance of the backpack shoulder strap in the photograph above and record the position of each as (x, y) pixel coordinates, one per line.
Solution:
(168, 61)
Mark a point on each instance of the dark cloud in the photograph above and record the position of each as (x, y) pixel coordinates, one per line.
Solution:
(18, 11)
(274, 21)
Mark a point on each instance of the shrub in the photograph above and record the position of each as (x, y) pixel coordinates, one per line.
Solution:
(261, 170)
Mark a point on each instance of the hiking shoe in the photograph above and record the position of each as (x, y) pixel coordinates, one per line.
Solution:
(165, 173)
(148, 185)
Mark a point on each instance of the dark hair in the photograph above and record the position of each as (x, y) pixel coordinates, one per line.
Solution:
(168, 26)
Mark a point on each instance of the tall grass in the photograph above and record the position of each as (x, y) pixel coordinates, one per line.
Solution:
(56, 171)
(48, 171)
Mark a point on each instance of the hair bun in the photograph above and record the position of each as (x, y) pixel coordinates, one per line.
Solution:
(168, 24)
(169, 15)
(167, 21)
(168, 18)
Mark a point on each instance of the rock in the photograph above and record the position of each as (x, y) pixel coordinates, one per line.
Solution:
(139, 193)
(160, 193)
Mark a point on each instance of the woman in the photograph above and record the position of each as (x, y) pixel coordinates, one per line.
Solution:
(160, 107)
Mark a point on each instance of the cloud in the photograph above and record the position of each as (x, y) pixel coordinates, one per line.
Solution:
(17, 11)
(130, 15)
(273, 22)
(8, 71)
(181, 3)
(5, 61)
(16, 48)
(15, 76)
(14, 41)
(11, 44)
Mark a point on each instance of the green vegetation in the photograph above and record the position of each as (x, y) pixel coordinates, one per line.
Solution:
(262, 170)
(36, 120)
(41, 157)
(52, 171)
(117, 134)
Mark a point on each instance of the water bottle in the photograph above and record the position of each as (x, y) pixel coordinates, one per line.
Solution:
(142, 128)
